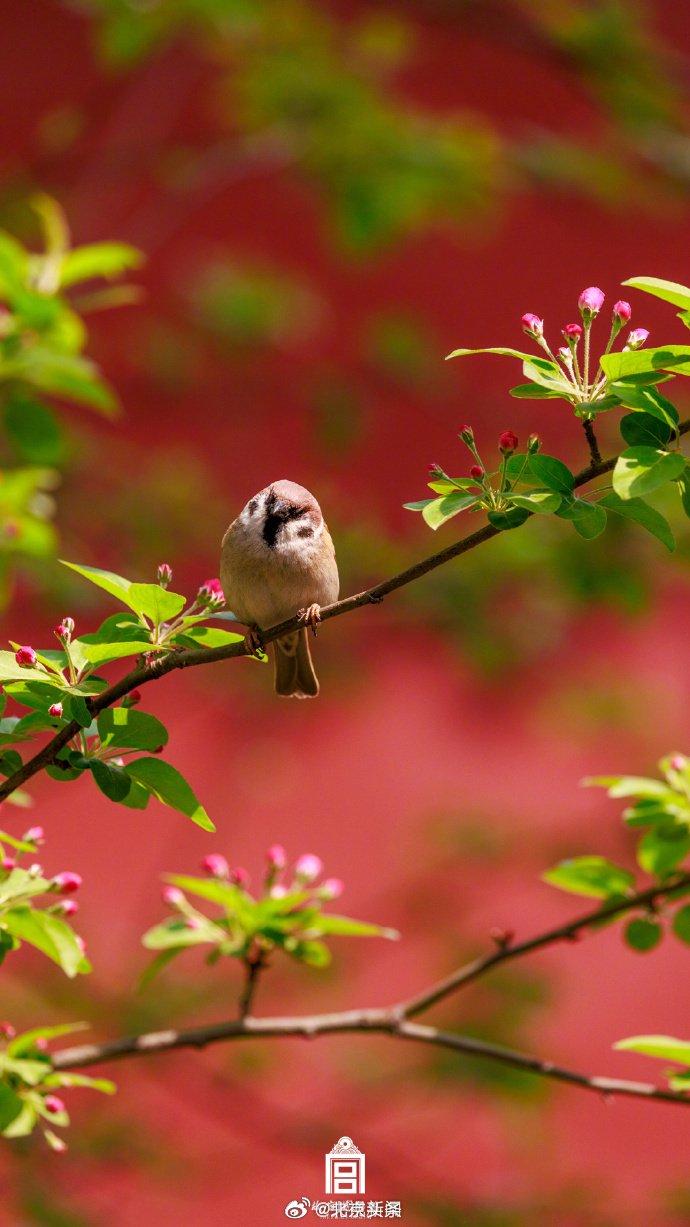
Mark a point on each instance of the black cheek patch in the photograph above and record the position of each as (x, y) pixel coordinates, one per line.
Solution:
(305, 532)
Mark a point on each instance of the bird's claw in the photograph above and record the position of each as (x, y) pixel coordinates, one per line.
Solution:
(253, 642)
(311, 616)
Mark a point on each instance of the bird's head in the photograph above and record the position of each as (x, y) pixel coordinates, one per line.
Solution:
(284, 515)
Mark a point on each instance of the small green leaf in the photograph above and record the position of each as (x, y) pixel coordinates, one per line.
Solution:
(663, 848)
(644, 515)
(642, 428)
(27, 1040)
(441, 509)
(663, 1046)
(590, 875)
(535, 391)
(165, 782)
(49, 934)
(10, 1106)
(98, 260)
(112, 780)
(541, 502)
(552, 473)
(621, 365)
(512, 518)
(127, 728)
(647, 400)
(681, 923)
(155, 602)
(669, 291)
(344, 926)
(496, 349)
(116, 585)
(642, 934)
(173, 934)
(641, 470)
(588, 519)
(628, 785)
(207, 637)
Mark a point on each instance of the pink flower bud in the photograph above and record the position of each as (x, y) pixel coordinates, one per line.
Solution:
(66, 883)
(41, 1044)
(64, 629)
(215, 865)
(34, 835)
(637, 338)
(7, 1031)
(276, 857)
(211, 593)
(35, 870)
(477, 472)
(164, 574)
(532, 325)
(8, 863)
(566, 356)
(507, 442)
(308, 867)
(55, 710)
(193, 922)
(80, 942)
(572, 333)
(678, 762)
(240, 877)
(533, 444)
(332, 888)
(622, 311)
(591, 301)
(467, 435)
(25, 656)
(173, 896)
(278, 892)
(131, 699)
(502, 937)
(67, 907)
(435, 470)
(53, 1104)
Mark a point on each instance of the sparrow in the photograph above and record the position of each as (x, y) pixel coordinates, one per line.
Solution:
(278, 561)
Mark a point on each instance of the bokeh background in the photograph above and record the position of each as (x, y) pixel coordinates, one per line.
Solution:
(329, 197)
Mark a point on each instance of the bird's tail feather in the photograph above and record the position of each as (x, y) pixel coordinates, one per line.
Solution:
(294, 671)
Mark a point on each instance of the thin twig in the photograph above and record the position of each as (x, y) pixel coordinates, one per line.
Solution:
(190, 657)
(394, 1020)
(253, 964)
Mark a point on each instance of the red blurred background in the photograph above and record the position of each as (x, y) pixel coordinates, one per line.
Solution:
(438, 774)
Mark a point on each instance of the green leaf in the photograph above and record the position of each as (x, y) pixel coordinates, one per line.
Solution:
(496, 349)
(10, 1106)
(10, 671)
(127, 728)
(112, 780)
(419, 505)
(541, 502)
(644, 515)
(98, 260)
(175, 933)
(535, 391)
(214, 890)
(649, 401)
(23, 1123)
(621, 365)
(642, 934)
(590, 875)
(33, 429)
(681, 923)
(344, 926)
(663, 848)
(27, 1040)
(629, 785)
(642, 428)
(441, 509)
(207, 637)
(588, 519)
(21, 885)
(114, 584)
(512, 518)
(313, 953)
(552, 473)
(663, 1046)
(669, 291)
(640, 470)
(49, 934)
(155, 602)
(164, 782)
(85, 654)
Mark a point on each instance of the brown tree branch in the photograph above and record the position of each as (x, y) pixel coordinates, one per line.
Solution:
(394, 1021)
(190, 657)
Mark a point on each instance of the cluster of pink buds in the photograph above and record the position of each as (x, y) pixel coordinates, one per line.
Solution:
(210, 594)
(587, 381)
(307, 870)
(65, 883)
(216, 866)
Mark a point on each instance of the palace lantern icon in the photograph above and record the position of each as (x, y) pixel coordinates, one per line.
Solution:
(345, 1168)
